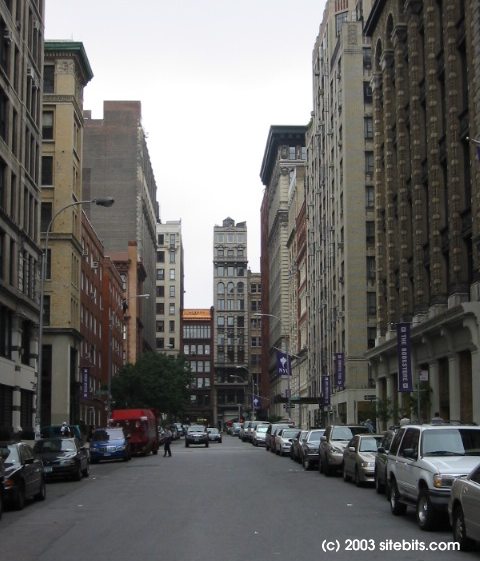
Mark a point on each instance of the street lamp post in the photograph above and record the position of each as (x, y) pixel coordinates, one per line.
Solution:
(289, 370)
(101, 201)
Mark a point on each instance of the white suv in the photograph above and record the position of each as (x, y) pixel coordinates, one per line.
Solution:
(422, 464)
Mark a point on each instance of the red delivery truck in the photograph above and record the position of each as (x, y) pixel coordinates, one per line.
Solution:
(141, 426)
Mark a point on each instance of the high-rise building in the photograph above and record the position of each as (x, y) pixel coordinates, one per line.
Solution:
(341, 219)
(232, 376)
(66, 72)
(21, 83)
(117, 164)
(169, 287)
(427, 199)
(254, 290)
(284, 154)
(197, 347)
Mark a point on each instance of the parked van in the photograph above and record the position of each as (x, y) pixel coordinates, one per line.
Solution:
(141, 427)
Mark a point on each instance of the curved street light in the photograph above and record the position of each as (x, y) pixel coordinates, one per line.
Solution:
(100, 201)
(289, 369)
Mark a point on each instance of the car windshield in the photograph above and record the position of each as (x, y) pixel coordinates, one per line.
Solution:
(9, 454)
(110, 434)
(262, 429)
(196, 428)
(451, 442)
(369, 444)
(315, 435)
(289, 433)
(55, 445)
(346, 433)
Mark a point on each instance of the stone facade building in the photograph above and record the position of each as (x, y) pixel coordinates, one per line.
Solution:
(254, 284)
(21, 83)
(427, 200)
(169, 287)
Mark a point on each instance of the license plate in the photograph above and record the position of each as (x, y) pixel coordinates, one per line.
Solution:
(48, 469)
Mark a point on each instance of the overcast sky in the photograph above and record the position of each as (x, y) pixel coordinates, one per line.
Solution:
(212, 77)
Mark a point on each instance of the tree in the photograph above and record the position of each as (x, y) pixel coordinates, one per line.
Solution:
(156, 381)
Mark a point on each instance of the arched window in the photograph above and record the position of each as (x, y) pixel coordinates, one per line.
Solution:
(240, 287)
(230, 288)
(220, 288)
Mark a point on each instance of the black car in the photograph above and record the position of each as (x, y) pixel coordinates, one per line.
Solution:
(381, 460)
(63, 457)
(24, 476)
(196, 434)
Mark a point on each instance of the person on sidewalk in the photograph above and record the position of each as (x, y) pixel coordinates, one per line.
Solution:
(166, 443)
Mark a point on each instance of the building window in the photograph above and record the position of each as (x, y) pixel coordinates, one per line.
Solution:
(172, 291)
(368, 127)
(340, 19)
(161, 239)
(160, 343)
(171, 326)
(160, 309)
(367, 57)
(371, 304)
(3, 115)
(371, 335)
(46, 309)
(370, 268)
(160, 274)
(160, 291)
(49, 78)
(369, 196)
(369, 163)
(160, 326)
(47, 125)
(171, 309)
(171, 343)
(367, 92)
(47, 170)
(45, 216)
(160, 257)
(172, 274)
(370, 231)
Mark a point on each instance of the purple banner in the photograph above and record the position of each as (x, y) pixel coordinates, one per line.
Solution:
(85, 372)
(256, 402)
(326, 390)
(283, 364)
(340, 370)
(405, 382)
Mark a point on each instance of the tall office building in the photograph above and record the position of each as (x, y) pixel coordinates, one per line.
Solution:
(169, 287)
(66, 72)
(254, 290)
(232, 375)
(284, 153)
(341, 219)
(21, 62)
(427, 200)
(117, 164)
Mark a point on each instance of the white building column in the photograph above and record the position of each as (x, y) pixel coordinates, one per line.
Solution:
(454, 386)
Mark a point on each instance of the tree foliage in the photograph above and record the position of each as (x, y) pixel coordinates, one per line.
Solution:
(156, 381)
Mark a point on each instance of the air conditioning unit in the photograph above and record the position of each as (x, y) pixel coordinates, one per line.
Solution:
(94, 264)
(85, 253)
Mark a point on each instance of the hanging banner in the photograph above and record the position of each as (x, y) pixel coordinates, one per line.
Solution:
(256, 402)
(326, 390)
(283, 364)
(340, 370)
(85, 371)
(405, 382)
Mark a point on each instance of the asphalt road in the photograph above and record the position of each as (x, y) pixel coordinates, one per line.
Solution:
(228, 502)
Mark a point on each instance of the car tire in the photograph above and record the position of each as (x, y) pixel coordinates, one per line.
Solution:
(425, 512)
(396, 506)
(42, 493)
(306, 464)
(459, 530)
(19, 498)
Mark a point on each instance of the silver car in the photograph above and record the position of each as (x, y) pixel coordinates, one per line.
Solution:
(283, 440)
(359, 458)
(259, 435)
(464, 509)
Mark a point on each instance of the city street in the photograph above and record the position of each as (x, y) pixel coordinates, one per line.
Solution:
(228, 502)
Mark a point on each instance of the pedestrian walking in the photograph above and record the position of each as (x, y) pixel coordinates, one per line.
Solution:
(436, 419)
(166, 443)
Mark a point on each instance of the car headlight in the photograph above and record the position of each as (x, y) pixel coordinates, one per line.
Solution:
(67, 462)
(367, 464)
(442, 481)
(121, 447)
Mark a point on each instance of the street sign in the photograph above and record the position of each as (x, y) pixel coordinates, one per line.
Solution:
(370, 397)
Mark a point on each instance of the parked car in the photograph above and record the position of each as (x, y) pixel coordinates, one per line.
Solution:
(59, 431)
(283, 440)
(332, 445)
(248, 437)
(24, 476)
(359, 458)
(423, 463)
(196, 434)
(381, 460)
(464, 509)
(214, 435)
(109, 444)
(259, 435)
(178, 430)
(235, 429)
(63, 457)
(309, 448)
(270, 435)
(295, 453)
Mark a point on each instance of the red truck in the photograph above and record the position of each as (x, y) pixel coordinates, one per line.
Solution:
(141, 426)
